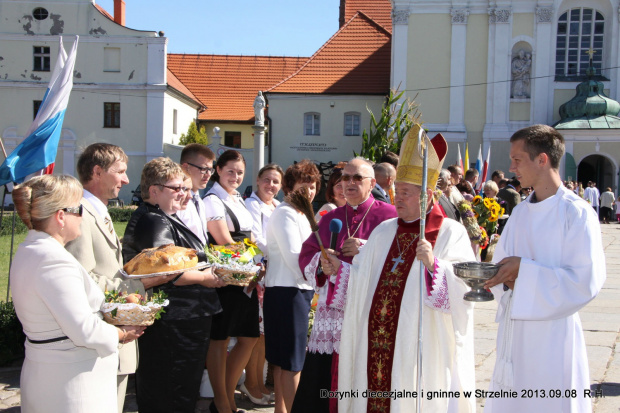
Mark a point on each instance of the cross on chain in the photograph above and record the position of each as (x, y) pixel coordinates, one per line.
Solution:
(398, 260)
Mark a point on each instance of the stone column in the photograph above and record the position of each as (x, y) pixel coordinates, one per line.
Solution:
(542, 65)
(259, 150)
(457, 69)
(400, 33)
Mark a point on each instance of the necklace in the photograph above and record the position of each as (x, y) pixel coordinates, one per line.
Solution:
(346, 218)
(399, 260)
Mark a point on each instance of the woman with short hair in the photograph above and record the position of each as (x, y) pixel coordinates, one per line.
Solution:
(71, 353)
(173, 351)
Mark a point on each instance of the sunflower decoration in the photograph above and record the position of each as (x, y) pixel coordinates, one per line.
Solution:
(475, 232)
(487, 211)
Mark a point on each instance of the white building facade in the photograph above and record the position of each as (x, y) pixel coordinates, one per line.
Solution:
(120, 93)
(482, 70)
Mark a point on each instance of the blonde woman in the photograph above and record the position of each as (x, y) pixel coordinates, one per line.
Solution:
(71, 353)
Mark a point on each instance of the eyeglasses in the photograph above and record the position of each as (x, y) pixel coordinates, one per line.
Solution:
(175, 188)
(355, 178)
(203, 169)
(74, 210)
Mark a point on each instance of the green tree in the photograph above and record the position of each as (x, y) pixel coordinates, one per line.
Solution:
(194, 135)
(387, 132)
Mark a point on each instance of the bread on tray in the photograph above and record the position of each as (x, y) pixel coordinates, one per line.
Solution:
(162, 259)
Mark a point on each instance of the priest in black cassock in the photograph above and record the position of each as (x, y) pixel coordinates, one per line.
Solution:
(380, 327)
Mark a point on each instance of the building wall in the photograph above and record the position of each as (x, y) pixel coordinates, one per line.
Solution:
(247, 133)
(287, 139)
(472, 43)
(186, 114)
(114, 64)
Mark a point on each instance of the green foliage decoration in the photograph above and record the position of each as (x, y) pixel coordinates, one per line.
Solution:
(194, 135)
(387, 132)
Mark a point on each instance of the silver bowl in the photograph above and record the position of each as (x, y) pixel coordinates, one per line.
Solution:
(475, 274)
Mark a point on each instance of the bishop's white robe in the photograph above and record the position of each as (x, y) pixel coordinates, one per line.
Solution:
(540, 342)
(448, 341)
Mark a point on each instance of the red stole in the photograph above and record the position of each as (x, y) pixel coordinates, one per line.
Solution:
(385, 308)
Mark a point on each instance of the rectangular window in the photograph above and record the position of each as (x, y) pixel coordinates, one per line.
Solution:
(232, 139)
(41, 57)
(174, 121)
(351, 124)
(36, 104)
(111, 115)
(111, 59)
(312, 124)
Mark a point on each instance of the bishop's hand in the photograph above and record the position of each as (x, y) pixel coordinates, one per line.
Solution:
(331, 265)
(424, 253)
(507, 274)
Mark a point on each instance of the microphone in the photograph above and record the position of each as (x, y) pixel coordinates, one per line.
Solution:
(335, 226)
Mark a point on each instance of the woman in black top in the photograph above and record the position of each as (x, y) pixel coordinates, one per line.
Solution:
(172, 354)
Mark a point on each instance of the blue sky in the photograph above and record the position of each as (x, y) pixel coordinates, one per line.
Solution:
(248, 27)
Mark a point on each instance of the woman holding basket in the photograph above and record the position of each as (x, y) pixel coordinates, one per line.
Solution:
(71, 353)
(173, 351)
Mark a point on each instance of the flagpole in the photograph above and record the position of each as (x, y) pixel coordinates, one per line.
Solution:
(8, 282)
(423, 143)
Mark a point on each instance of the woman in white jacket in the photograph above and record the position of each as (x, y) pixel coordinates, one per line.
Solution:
(287, 294)
(71, 353)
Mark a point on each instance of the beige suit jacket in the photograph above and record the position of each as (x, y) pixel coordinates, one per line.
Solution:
(100, 253)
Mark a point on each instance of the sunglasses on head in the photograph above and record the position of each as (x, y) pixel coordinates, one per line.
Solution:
(354, 178)
(74, 210)
(175, 188)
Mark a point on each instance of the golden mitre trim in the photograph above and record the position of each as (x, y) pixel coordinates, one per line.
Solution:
(410, 162)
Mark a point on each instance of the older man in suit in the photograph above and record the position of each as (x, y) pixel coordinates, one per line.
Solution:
(102, 171)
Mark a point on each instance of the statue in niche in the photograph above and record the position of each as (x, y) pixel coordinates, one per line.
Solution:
(521, 69)
(259, 108)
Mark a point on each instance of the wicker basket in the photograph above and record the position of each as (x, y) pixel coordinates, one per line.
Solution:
(242, 279)
(131, 314)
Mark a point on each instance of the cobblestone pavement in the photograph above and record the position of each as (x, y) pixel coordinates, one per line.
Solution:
(601, 324)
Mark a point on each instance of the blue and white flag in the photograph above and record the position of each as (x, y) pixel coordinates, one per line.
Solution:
(479, 166)
(38, 150)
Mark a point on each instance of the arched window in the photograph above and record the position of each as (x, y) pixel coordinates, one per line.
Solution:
(579, 30)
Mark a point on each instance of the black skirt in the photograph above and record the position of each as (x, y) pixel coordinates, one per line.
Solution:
(239, 317)
(285, 310)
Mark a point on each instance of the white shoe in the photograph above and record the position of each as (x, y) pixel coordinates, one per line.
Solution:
(271, 396)
(263, 401)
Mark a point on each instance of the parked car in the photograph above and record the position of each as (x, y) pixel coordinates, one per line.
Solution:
(136, 197)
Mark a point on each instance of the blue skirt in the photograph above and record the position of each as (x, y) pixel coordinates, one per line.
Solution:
(285, 310)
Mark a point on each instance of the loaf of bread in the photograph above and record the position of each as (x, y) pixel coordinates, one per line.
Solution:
(162, 259)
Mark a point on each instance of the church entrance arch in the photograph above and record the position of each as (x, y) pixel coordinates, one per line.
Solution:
(599, 169)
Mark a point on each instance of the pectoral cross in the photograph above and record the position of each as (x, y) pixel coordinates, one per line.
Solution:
(397, 260)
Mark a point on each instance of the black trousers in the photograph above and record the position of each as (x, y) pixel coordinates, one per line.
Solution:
(172, 359)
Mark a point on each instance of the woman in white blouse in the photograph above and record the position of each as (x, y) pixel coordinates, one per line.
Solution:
(287, 293)
(228, 220)
(261, 205)
(71, 353)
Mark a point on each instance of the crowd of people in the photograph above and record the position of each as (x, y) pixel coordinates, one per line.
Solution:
(363, 340)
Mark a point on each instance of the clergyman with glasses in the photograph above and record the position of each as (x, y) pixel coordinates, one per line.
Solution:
(361, 214)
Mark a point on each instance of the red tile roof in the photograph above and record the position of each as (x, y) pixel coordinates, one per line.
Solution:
(104, 12)
(356, 60)
(175, 83)
(228, 85)
(378, 10)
